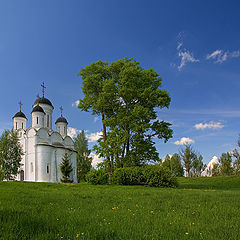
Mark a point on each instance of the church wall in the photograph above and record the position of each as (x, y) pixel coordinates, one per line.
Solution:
(44, 163)
(73, 160)
(59, 155)
(30, 164)
(72, 155)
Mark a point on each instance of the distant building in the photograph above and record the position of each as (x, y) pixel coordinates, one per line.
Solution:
(43, 148)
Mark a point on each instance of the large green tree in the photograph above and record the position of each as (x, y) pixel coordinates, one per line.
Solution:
(83, 160)
(10, 155)
(127, 97)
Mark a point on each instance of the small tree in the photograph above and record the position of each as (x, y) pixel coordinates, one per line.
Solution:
(187, 154)
(177, 167)
(66, 169)
(216, 170)
(236, 163)
(197, 165)
(174, 164)
(10, 155)
(84, 162)
(226, 164)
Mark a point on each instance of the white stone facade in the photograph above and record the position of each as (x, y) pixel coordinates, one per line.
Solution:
(43, 148)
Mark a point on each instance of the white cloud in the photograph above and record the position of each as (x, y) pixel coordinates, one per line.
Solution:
(235, 54)
(72, 132)
(179, 45)
(96, 159)
(214, 55)
(186, 57)
(220, 56)
(93, 137)
(75, 104)
(184, 141)
(210, 125)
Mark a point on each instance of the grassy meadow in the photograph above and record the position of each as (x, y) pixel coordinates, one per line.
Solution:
(201, 208)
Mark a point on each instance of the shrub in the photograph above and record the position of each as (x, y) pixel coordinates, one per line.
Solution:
(151, 175)
(129, 176)
(2, 175)
(158, 176)
(97, 177)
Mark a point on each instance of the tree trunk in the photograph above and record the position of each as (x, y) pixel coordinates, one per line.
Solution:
(104, 127)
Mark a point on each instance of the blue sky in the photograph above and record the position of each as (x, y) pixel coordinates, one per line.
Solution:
(193, 45)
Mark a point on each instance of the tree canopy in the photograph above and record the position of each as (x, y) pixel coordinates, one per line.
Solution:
(10, 155)
(127, 98)
(83, 160)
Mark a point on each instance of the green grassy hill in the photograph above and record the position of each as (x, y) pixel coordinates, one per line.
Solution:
(201, 208)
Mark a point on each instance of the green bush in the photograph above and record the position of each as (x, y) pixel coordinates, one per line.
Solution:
(2, 175)
(129, 176)
(158, 176)
(151, 175)
(97, 177)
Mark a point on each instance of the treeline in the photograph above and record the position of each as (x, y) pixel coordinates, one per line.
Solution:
(190, 164)
(228, 164)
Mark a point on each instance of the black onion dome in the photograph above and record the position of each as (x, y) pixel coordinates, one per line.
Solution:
(43, 100)
(37, 109)
(20, 114)
(61, 119)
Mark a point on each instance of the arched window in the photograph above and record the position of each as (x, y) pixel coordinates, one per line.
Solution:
(31, 167)
(47, 120)
(37, 120)
(22, 125)
(16, 125)
(48, 169)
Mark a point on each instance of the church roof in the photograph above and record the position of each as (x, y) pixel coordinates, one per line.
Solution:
(42, 100)
(20, 114)
(61, 119)
(37, 109)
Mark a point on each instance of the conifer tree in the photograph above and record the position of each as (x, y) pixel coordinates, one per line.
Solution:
(66, 169)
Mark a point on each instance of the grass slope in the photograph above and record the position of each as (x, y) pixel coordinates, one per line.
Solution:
(204, 208)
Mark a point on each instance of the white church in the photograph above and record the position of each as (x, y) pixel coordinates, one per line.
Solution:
(42, 146)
